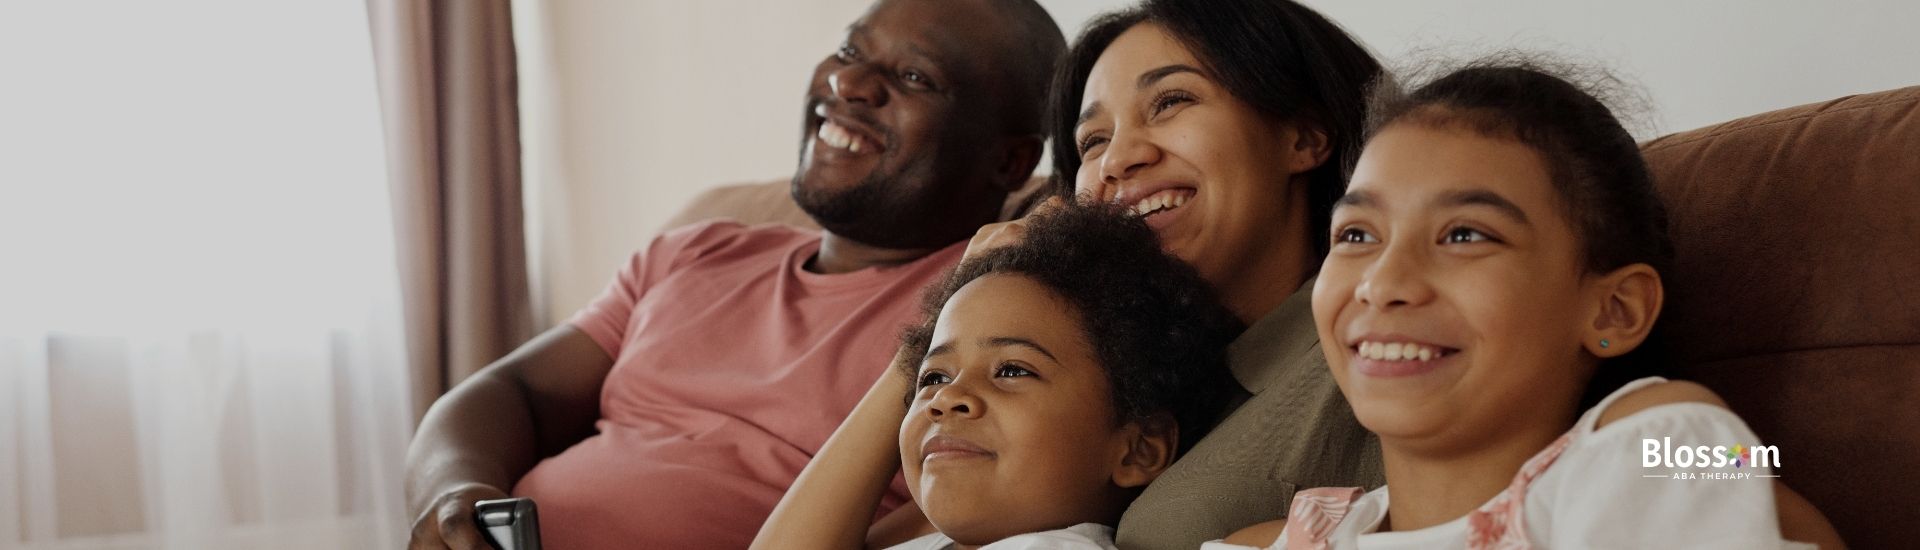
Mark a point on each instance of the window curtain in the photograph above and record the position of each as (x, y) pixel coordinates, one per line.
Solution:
(448, 89)
(200, 327)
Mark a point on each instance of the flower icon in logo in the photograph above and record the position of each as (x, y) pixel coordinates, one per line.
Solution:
(1739, 455)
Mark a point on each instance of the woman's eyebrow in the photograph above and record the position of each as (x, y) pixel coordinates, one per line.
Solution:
(1150, 77)
(1005, 341)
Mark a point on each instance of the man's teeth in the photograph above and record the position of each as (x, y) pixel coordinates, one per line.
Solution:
(1164, 200)
(837, 136)
(1397, 351)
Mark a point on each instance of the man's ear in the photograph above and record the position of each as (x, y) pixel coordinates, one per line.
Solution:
(1150, 446)
(1019, 155)
(1624, 305)
(1310, 147)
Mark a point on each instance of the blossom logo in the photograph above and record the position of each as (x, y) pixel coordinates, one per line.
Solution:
(1708, 462)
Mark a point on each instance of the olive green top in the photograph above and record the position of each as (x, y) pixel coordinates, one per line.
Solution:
(1293, 430)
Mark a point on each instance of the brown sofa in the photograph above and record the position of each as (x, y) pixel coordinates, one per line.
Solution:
(1796, 297)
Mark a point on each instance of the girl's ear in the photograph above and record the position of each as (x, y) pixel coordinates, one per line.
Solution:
(1310, 148)
(1624, 307)
(1150, 445)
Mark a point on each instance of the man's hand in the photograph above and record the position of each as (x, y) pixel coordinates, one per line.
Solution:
(1007, 233)
(447, 521)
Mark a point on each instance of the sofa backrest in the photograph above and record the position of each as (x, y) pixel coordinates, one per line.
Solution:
(1796, 295)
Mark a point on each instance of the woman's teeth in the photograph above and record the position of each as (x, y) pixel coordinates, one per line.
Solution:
(1397, 351)
(840, 137)
(1164, 200)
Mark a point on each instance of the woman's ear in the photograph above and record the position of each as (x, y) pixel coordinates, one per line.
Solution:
(1310, 148)
(1624, 306)
(1150, 446)
(1018, 157)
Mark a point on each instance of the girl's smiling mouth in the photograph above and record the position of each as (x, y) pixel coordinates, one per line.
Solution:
(1395, 357)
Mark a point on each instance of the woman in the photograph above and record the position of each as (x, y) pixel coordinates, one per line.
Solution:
(1227, 124)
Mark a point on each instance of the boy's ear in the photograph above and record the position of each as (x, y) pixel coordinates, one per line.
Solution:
(1150, 446)
(1019, 155)
(1624, 306)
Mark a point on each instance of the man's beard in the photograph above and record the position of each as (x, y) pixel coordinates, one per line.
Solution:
(876, 212)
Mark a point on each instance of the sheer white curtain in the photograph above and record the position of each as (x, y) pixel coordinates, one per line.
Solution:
(199, 333)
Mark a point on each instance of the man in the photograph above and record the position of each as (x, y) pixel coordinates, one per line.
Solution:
(674, 410)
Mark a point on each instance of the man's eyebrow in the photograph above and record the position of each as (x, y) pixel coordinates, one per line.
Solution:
(1150, 77)
(1483, 197)
(1004, 341)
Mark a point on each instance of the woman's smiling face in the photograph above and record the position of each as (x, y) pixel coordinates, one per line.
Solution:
(1453, 298)
(1213, 175)
(1011, 429)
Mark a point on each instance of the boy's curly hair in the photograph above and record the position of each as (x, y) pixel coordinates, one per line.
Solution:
(1153, 323)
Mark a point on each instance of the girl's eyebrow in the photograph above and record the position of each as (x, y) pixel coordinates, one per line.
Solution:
(1004, 341)
(1482, 197)
(1456, 198)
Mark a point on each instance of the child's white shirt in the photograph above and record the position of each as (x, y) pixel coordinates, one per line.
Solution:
(1598, 494)
(1085, 536)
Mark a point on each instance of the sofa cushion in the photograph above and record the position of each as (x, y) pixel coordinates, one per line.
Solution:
(1796, 294)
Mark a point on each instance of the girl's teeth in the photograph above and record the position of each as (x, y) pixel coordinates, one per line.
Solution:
(1397, 351)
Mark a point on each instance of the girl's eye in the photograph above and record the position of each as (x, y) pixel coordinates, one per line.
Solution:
(1354, 235)
(1168, 101)
(931, 378)
(1010, 370)
(1460, 235)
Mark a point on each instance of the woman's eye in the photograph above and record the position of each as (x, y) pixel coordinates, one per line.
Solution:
(1354, 235)
(1088, 143)
(932, 378)
(1010, 370)
(1168, 101)
(1459, 235)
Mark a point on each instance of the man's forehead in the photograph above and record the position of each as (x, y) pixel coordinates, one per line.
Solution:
(945, 31)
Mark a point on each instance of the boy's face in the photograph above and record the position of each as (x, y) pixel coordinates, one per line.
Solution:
(1012, 429)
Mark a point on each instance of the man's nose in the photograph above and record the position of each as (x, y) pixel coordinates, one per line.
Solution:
(858, 83)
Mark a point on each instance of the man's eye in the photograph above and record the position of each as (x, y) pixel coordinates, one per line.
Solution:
(1354, 235)
(1459, 235)
(1010, 370)
(917, 78)
(932, 378)
(847, 53)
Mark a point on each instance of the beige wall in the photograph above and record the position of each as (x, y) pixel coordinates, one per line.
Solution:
(632, 106)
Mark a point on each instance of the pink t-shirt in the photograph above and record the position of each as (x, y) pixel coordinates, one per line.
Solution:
(732, 366)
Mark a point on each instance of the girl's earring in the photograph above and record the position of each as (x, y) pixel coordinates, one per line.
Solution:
(1603, 343)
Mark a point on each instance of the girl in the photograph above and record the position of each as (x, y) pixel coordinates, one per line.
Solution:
(1498, 255)
(1051, 381)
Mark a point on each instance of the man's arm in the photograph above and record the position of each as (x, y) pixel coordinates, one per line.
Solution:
(478, 439)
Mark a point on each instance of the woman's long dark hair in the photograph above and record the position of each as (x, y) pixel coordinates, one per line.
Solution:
(1287, 61)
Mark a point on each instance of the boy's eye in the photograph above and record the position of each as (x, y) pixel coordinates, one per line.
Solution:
(931, 378)
(1459, 235)
(1010, 370)
(1354, 235)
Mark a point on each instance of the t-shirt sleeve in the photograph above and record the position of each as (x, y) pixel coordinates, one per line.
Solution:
(1608, 499)
(606, 318)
